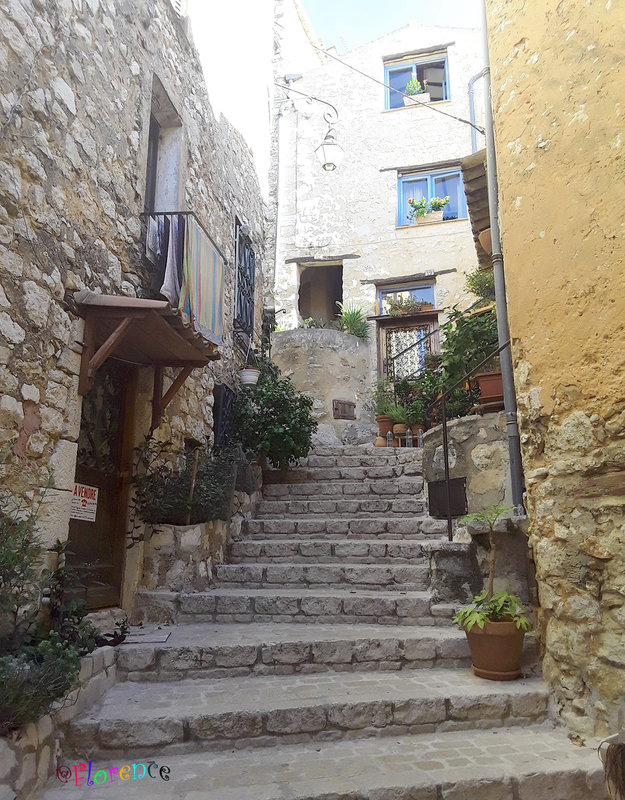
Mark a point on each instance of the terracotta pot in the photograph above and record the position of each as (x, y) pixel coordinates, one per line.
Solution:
(399, 429)
(491, 387)
(380, 441)
(385, 424)
(496, 651)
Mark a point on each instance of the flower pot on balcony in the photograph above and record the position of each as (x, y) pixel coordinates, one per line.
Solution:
(431, 216)
(249, 376)
(491, 387)
(416, 99)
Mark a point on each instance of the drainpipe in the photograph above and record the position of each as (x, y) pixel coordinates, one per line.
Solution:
(476, 77)
(503, 331)
(275, 240)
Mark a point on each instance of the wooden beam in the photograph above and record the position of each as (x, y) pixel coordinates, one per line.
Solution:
(171, 392)
(84, 381)
(105, 350)
(157, 409)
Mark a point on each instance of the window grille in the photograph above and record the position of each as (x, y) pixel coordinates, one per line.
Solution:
(223, 419)
(244, 304)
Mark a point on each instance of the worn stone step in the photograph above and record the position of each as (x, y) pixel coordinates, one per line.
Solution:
(375, 470)
(368, 487)
(361, 457)
(533, 763)
(288, 605)
(204, 714)
(398, 527)
(208, 650)
(292, 575)
(322, 550)
(340, 507)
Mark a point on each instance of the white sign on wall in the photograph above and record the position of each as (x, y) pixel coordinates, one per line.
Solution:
(84, 502)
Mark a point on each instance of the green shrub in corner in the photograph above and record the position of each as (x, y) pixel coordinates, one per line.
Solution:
(274, 420)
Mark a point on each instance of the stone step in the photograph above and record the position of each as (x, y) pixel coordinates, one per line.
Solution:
(376, 470)
(204, 714)
(293, 575)
(337, 489)
(291, 605)
(533, 763)
(361, 457)
(327, 551)
(208, 650)
(340, 507)
(399, 528)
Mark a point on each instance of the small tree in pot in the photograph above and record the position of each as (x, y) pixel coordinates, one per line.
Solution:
(495, 624)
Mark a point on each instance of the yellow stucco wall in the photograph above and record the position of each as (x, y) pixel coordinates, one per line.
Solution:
(558, 101)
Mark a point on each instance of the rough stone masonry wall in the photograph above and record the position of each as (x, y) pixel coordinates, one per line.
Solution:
(557, 102)
(74, 117)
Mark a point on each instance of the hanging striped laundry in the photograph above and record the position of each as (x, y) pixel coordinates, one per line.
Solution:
(201, 295)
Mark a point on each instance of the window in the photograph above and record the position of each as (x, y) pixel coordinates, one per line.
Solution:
(434, 70)
(447, 183)
(244, 303)
(421, 292)
(163, 167)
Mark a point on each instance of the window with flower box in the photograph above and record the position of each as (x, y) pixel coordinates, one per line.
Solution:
(444, 183)
(431, 71)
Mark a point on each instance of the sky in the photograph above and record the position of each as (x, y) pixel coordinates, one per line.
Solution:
(351, 23)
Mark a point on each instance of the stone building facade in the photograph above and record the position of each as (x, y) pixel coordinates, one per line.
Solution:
(559, 141)
(343, 235)
(81, 82)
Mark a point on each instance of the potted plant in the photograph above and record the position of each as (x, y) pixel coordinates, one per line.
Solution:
(415, 415)
(397, 413)
(494, 624)
(424, 212)
(397, 306)
(381, 400)
(417, 93)
(250, 372)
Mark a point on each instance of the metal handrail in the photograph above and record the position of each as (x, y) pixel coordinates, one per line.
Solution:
(441, 400)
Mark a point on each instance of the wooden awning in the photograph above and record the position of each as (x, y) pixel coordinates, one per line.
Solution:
(141, 332)
(476, 192)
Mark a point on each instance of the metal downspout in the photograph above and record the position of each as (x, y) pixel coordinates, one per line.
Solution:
(509, 394)
(472, 80)
(275, 240)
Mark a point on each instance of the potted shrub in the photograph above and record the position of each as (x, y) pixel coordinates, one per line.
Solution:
(415, 415)
(381, 401)
(397, 306)
(494, 624)
(423, 211)
(397, 413)
(416, 92)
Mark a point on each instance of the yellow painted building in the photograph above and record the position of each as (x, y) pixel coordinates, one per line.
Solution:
(558, 103)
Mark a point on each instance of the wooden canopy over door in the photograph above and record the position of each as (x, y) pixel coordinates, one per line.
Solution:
(121, 333)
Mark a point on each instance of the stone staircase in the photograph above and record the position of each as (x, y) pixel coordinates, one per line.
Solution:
(324, 666)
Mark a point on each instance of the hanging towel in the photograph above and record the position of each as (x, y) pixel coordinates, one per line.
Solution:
(171, 282)
(201, 295)
(152, 240)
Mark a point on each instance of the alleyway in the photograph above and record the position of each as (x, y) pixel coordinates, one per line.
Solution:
(322, 667)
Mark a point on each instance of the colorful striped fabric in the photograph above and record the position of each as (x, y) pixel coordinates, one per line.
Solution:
(201, 294)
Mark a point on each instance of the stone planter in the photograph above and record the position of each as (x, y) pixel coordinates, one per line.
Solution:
(417, 99)
(430, 217)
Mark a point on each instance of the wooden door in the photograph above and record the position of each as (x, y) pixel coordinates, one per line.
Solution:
(96, 545)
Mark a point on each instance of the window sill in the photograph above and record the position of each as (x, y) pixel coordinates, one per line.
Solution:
(404, 108)
(424, 225)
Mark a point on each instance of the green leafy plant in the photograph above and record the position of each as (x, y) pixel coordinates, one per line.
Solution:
(381, 398)
(398, 414)
(180, 488)
(468, 340)
(414, 87)
(421, 207)
(312, 322)
(438, 203)
(415, 412)
(481, 283)
(273, 420)
(402, 305)
(352, 320)
(488, 605)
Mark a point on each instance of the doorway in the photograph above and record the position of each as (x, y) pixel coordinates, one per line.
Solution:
(320, 288)
(98, 518)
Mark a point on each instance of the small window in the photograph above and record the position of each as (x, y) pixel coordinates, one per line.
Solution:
(446, 183)
(245, 283)
(421, 293)
(432, 74)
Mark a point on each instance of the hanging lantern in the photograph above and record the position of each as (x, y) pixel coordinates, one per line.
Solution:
(329, 153)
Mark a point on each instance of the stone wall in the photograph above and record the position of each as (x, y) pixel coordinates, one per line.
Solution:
(75, 102)
(30, 755)
(352, 211)
(557, 103)
(478, 451)
(328, 365)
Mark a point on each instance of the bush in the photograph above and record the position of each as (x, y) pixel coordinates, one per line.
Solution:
(352, 320)
(32, 680)
(163, 480)
(469, 339)
(481, 283)
(273, 420)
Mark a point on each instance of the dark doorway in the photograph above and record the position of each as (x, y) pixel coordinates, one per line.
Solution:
(320, 287)
(97, 527)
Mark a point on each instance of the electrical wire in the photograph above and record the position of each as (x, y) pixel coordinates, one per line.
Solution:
(478, 128)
